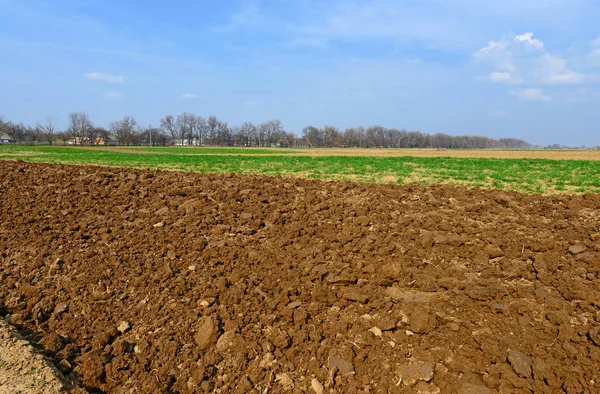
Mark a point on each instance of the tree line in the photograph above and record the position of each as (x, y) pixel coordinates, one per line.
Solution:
(187, 129)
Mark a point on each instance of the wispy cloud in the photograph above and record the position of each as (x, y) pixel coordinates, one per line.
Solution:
(499, 77)
(497, 53)
(248, 15)
(112, 95)
(530, 94)
(594, 54)
(189, 96)
(105, 77)
(383, 21)
(554, 71)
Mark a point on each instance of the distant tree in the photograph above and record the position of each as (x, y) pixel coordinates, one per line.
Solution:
(331, 137)
(150, 136)
(168, 125)
(223, 134)
(124, 130)
(200, 129)
(3, 125)
(79, 127)
(18, 132)
(31, 134)
(62, 136)
(212, 125)
(185, 125)
(288, 140)
(313, 136)
(48, 129)
(101, 134)
(270, 132)
(237, 137)
(248, 131)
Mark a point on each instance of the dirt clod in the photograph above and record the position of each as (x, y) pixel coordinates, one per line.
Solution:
(426, 388)
(355, 295)
(414, 372)
(317, 386)
(60, 308)
(206, 332)
(577, 249)
(228, 341)
(123, 327)
(493, 251)
(520, 363)
(594, 335)
(344, 366)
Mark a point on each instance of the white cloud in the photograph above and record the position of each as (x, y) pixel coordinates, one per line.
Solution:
(530, 94)
(513, 61)
(566, 78)
(189, 96)
(528, 38)
(105, 77)
(250, 102)
(493, 46)
(112, 95)
(554, 71)
(594, 55)
(499, 77)
(498, 54)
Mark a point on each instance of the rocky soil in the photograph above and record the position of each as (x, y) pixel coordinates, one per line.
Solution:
(137, 281)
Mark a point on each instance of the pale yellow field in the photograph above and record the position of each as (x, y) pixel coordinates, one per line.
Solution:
(322, 152)
(476, 153)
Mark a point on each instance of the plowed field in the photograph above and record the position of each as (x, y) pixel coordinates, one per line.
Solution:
(140, 281)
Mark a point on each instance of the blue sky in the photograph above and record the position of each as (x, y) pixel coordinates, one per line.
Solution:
(513, 68)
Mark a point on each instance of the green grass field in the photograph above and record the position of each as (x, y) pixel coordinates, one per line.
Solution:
(524, 175)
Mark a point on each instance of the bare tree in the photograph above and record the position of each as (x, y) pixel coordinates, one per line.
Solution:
(248, 130)
(5, 127)
(79, 126)
(152, 136)
(124, 130)
(168, 125)
(185, 125)
(212, 124)
(270, 132)
(200, 129)
(48, 129)
(101, 134)
(224, 134)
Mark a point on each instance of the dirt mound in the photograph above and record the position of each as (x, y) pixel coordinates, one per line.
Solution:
(149, 281)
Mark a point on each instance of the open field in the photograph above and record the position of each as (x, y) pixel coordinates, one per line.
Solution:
(426, 167)
(145, 281)
(463, 153)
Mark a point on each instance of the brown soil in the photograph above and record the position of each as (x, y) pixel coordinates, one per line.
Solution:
(139, 281)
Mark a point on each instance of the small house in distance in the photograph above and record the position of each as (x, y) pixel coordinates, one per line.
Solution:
(6, 139)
